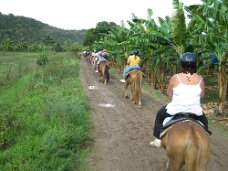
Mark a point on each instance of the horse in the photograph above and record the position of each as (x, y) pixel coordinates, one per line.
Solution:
(186, 143)
(134, 78)
(103, 69)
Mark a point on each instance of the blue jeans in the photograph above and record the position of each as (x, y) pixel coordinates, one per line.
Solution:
(129, 68)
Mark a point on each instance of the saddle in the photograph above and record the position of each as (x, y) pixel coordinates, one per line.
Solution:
(127, 75)
(180, 117)
(108, 63)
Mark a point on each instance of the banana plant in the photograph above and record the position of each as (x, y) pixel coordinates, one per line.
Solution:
(211, 34)
(8, 45)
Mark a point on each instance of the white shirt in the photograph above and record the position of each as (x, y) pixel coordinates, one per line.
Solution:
(186, 99)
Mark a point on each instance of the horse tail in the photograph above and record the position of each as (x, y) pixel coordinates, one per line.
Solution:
(106, 73)
(191, 150)
(197, 151)
(137, 87)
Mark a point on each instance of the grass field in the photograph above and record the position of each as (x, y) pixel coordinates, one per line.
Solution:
(44, 114)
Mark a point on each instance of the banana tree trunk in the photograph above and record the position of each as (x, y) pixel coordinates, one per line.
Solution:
(222, 82)
(162, 78)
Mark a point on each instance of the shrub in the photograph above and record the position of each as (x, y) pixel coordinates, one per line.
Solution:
(43, 59)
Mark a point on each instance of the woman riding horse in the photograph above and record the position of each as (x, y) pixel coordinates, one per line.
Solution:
(186, 90)
(134, 79)
(132, 63)
(186, 142)
(103, 65)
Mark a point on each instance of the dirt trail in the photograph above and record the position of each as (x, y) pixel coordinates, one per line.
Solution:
(122, 132)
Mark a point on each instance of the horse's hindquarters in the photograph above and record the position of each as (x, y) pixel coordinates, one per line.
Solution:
(134, 79)
(187, 142)
(104, 70)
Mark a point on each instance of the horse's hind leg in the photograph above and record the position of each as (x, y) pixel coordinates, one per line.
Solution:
(174, 164)
(106, 75)
(125, 94)
(132, 97)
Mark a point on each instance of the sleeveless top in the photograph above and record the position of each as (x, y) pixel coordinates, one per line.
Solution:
(185, 98)
(133, 60)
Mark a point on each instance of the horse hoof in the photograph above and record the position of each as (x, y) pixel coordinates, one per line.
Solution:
(139, 107)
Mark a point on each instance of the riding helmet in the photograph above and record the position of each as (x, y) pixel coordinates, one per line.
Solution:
(188, 60)
(135, 52)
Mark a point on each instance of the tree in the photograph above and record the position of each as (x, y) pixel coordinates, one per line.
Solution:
(210, 32)
(8, 45)
(102, 29)
(179, 28)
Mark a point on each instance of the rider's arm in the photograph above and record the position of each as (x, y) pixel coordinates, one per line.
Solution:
(128, 62)
(170, 86)
(202, 85)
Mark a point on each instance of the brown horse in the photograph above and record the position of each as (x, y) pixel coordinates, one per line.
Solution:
(104, 71)
(134, 78)
(186, 143)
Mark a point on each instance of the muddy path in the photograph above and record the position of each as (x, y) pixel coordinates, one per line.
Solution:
(122, 132)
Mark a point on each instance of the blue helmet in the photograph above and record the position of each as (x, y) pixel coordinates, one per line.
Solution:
(135, 52)
(188, 60)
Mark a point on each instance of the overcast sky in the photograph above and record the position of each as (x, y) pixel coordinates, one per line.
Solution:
(85, 14)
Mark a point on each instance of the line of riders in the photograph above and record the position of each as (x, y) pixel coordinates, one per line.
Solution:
(96, 57)
(185, 88)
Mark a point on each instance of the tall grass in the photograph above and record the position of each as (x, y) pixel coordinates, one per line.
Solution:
(44, 117)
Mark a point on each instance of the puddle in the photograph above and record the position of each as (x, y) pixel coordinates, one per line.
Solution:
(106, 105)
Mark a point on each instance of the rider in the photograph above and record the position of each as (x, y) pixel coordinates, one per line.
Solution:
(105, 54)
(186, 90)
(100, 58)
(132, 63)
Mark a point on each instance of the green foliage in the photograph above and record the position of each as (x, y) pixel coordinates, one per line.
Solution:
(75, 47)
(9, 129)
(179, 25)
(9, 120)
(101, 30)
(51, 122)
(58, 47)
(43, 59)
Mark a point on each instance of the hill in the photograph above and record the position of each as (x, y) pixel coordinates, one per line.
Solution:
(19, 28)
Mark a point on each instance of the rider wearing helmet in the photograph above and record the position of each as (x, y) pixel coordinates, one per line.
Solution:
(132, 63)
(186, 89)
(100, 58)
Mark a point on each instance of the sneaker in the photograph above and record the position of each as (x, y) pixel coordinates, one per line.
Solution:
(156, 143)
(122, 80)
